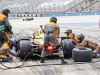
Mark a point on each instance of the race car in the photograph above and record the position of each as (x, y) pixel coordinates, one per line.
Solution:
(34, 45)
(28, 19)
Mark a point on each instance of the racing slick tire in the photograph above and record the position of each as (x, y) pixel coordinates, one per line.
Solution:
(68, 46)
(82, 55)
(24, 48)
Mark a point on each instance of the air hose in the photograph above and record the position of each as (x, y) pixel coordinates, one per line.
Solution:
(15, 66)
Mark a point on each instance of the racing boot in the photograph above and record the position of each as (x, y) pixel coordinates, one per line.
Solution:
(61, 54)
(42, 60)
(43, 53)
(7, 59)
(63, 61)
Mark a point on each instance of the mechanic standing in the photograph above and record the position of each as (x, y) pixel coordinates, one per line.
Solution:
(51, 32)
(5, 32)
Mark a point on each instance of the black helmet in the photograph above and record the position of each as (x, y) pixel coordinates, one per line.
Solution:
(80, 37)
(6, 12)
(53, 19)
(68, 31)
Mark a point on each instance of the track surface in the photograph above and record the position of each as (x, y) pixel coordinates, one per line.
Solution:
(53, 66)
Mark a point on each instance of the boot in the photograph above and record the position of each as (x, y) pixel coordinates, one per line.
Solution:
(7, 59)
(42, 56)
(63, 61)
(42, 60)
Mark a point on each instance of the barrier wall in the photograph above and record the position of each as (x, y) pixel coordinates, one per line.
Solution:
(53, 14)
(72, 14)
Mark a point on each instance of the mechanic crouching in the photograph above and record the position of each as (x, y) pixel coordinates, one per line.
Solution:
(5, 36)
(71, 35)
(51, 32)
(83, 42)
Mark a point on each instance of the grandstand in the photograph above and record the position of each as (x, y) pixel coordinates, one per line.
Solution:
(49, 6)
(85, 6)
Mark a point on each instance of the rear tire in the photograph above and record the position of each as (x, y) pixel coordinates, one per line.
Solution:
(24, 48)
(68, 46)
(82, 55)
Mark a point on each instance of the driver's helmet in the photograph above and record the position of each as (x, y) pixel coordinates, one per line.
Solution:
(53, 19)
(80, 37)
(6, 12)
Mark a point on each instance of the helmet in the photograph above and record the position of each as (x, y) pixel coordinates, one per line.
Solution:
(68, 31)
(6, 12)
(53, 19)
(80, 37)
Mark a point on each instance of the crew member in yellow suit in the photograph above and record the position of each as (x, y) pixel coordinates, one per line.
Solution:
(5, 32)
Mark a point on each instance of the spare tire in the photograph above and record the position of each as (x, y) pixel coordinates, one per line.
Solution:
(68, 46)
(82, 55)
(24, 48)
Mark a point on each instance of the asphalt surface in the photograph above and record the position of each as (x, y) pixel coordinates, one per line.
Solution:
(52, 66)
